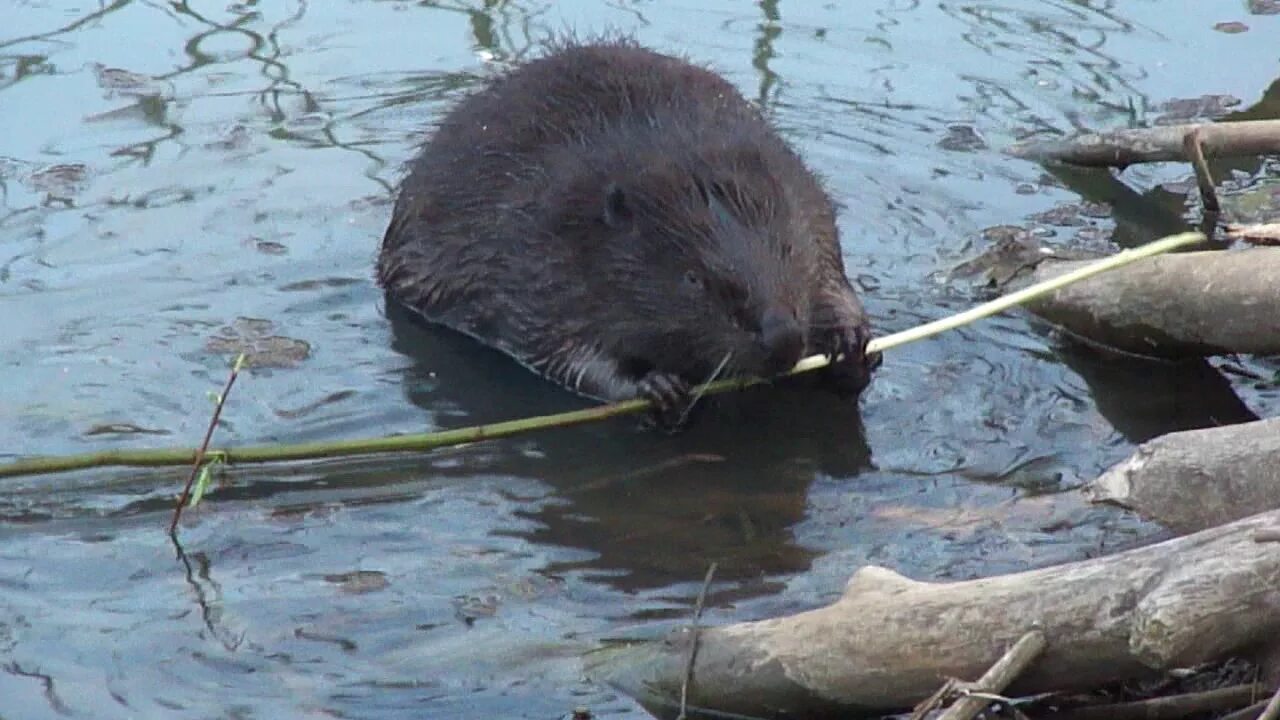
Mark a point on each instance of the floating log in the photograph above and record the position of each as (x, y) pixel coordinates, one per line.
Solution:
(1122, 148)
(1183, 305)
(1191, 480)
(1195, 479)
(889, 641)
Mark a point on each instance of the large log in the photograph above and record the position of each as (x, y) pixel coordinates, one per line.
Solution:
(1187, 304)
(1121, 148)
(1191, 480)
(889, 641)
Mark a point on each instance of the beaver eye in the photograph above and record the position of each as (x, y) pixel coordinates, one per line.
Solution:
(693, 279)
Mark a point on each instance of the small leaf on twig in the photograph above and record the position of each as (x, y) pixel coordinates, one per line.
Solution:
(202, 484)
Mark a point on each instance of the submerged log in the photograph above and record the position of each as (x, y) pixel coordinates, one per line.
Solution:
(889, 641)
(1183, 305)
(1121, 148)
(1191, 480)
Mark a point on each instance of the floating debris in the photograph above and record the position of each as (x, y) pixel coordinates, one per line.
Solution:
(252, 336)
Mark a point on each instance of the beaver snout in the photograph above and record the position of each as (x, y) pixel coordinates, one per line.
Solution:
(783, 341)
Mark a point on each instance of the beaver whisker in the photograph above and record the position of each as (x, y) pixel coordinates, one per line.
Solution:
(702, 387)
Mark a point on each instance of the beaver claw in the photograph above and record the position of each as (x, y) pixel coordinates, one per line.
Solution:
(851, 367)
(670, 399)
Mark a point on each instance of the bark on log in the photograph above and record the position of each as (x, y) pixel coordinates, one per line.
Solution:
(1121, 148)
(1191, 480)
(889, 642)
(1182, 305)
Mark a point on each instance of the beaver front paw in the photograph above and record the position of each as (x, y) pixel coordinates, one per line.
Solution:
(670, 398)
(851, 366)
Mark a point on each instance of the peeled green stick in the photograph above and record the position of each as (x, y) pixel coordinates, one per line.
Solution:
(429, 441)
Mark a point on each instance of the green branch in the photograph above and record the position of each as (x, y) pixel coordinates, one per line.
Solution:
(430, 441)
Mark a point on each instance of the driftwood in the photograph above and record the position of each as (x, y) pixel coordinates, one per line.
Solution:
(1007, 669)
(1121, 148)
(1188, 304)
(1192, 480)
(973, 698)
(1260, 234)
(889, 642)
(1196, 479)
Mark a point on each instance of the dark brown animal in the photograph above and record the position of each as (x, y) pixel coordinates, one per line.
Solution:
(626, 224)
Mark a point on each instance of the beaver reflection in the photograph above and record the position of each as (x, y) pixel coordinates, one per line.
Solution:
(654, 509)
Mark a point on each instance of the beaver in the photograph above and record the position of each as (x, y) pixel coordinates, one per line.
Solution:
(625, 223)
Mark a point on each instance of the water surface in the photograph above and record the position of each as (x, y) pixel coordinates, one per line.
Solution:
(176, 174)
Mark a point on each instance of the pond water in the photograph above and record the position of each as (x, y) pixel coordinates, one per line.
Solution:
(178, 178)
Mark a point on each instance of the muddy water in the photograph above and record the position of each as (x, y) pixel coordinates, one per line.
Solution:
(179, 179)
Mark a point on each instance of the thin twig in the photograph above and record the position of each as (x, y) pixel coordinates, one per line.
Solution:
(934, 701)
(1193, 144)
(1167, 708)
(1122, 148)
(448, 438)
(994, 681)
(693, 643)
(204, 446)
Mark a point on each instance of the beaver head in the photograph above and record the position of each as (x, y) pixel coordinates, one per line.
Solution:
(704, 265)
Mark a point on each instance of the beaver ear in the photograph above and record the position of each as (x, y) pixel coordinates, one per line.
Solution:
(617, 212)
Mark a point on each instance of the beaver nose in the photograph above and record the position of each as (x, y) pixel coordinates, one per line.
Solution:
(782, 339)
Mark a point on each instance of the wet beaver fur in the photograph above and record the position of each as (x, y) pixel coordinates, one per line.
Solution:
(625, 224)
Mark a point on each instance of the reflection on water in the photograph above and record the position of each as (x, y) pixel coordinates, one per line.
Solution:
(654, 509)
(1144, 399)
(167, 169)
